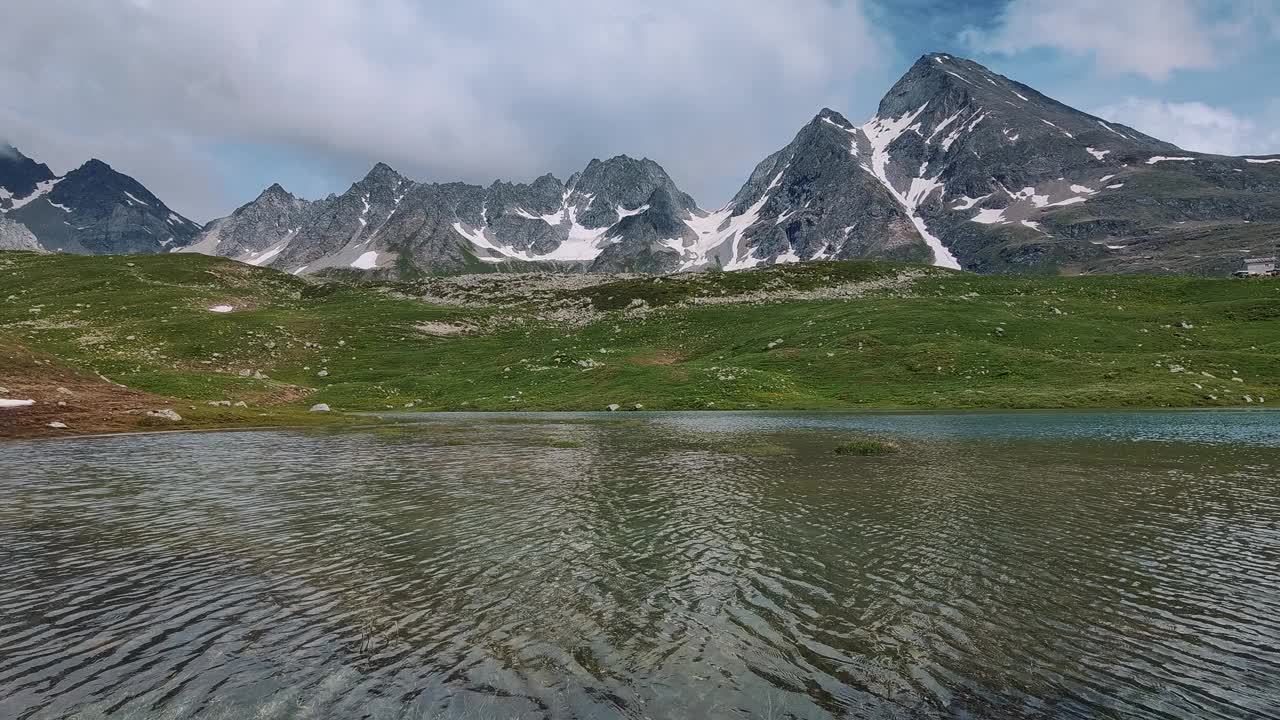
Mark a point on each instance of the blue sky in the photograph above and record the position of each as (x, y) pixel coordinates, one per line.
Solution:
(208, 103)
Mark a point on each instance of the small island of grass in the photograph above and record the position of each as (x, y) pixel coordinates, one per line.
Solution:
(866, 447)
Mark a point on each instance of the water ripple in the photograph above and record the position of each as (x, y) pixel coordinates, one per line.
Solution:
(473, 569)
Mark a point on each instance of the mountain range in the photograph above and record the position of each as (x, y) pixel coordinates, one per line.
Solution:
(959, 166)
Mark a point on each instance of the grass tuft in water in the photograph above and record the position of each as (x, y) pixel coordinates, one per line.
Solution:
(866, 447)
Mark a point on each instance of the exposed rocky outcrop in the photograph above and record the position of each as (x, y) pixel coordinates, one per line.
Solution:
(16, 236)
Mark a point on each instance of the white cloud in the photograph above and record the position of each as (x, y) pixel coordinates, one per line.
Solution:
(1148, 37)
(469, 91)
(1195, 126)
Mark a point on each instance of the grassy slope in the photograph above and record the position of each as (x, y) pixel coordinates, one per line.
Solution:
(933, 344)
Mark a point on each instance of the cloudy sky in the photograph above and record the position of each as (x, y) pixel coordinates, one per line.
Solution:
(209, 101)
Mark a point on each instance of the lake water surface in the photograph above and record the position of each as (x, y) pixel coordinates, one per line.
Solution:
(649, 565)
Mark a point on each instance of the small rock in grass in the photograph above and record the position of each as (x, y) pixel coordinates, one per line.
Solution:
(58, 425)
(323, 373)
(320, 407)
(614, 407)
(242, 404)
(165, 414)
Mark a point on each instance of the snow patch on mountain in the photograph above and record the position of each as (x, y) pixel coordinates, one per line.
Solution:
(715, 230)
(42, 189)
(1055, 127)
(260, 259)
(881, 133)
(1111, 129)
(366, 261)
(989, 216)
(966, 202)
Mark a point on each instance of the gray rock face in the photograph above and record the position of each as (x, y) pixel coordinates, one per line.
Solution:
(92, 209)
(817, 200)
(255, 227)
(16, 236)
(1006, 179)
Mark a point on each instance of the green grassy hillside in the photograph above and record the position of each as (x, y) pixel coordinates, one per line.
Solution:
(820, 336)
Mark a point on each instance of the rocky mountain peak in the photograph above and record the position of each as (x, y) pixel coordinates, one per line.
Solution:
(276, 190)
(626, 182)
(274, 199)
(833, 117)
(95, 166)
(19, 175)
(92, 209)
(382, 173)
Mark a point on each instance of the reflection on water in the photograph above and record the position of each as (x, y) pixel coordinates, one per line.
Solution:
(1027, 565)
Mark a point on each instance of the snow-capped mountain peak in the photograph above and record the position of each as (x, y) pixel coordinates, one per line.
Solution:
(959, 167)
(92, 209)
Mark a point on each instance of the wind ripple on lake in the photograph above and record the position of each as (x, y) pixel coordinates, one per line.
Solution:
(479, 571)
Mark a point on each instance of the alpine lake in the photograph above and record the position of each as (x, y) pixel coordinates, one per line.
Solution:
(649, 565)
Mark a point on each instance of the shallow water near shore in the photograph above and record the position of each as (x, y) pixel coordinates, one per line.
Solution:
(649, 565)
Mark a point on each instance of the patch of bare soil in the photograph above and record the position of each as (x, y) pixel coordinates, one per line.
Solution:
(83, 402)
(440, 329)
